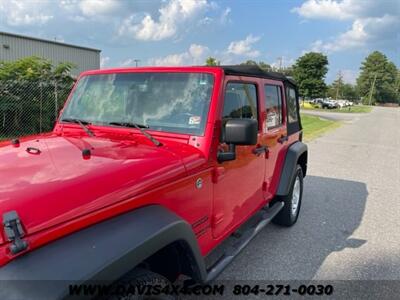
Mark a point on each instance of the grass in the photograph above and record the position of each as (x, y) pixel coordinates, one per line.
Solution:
(350, 109)
(314, 127)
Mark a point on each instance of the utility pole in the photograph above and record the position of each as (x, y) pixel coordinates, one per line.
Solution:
(372, 89)
(136, 62)
(397, 85)
(280, 59)
(338, 85)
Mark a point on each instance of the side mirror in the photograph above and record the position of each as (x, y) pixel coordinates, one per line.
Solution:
(241, 131)
(238, 132)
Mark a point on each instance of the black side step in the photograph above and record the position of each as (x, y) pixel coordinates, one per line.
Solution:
(242, 242)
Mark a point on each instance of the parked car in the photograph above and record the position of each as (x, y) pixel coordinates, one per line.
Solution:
(317, 102)
(340, 103)
(329, 104)
(146, 172)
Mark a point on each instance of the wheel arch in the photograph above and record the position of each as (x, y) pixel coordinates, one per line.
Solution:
(302, 161)
(103, 252)
(174, 259)
(297, 153)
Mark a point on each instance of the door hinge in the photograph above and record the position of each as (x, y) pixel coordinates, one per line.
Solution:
(14, 231)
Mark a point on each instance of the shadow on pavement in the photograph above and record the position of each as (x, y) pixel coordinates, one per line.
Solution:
(332, 210)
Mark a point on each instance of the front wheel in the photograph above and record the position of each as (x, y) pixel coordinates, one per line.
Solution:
(292, 202)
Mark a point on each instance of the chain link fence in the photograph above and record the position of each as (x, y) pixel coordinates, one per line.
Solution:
(30, 107)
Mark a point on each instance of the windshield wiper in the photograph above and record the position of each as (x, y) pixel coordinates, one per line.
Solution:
(140, 127)
(81, 123)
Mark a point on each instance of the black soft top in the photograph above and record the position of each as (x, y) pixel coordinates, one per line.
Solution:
(255, 71)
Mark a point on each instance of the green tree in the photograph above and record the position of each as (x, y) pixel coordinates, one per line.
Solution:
(211, 61)
(377, 80)
(349, 92)
(35, 68)
(335, 90)
(288, 71)
(309, 72)
(249, 63)
(32, 92)
(265, 66)
(262, 65)
(397, 85)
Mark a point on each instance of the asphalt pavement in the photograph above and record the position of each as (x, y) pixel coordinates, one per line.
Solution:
(349, 224)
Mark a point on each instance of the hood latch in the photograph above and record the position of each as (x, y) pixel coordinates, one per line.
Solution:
(14, 231)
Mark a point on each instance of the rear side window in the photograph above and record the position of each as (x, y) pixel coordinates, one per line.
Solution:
(292, 105)
(240, 101)
(273, 105)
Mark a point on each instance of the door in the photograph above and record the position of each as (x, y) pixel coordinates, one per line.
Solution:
(238, 184)
(275, 134)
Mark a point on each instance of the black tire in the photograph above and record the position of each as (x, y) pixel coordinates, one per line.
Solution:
(286, 217)
(141, 277)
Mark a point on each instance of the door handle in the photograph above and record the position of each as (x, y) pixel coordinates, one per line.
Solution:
(260, 150)
(283, 138)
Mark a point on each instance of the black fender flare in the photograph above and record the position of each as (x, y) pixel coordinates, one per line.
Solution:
(294, 152)
(101, 252)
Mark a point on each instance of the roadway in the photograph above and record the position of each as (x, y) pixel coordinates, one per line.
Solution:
(349, 224)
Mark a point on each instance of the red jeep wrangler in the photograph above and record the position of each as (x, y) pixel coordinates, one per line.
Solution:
(146, 172)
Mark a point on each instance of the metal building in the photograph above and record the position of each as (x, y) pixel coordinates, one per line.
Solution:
(15, 46)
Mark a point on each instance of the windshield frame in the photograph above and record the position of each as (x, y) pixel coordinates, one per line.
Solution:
(156, 131)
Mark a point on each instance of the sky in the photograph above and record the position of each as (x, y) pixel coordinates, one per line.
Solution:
(186, 32)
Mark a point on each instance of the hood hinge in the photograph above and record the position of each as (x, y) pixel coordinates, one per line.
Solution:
(14, 231)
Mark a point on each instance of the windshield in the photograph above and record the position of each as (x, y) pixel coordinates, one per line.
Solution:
(175, 102)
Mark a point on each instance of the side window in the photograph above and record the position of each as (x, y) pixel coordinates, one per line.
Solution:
(291, 105)
(240, 101)
(273, 105)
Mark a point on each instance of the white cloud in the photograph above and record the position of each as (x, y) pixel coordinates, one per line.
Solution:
(99, 7)
(374, 23)
(244, 47)
(197, 51)
(129, 62)
(172, 16)
(195, 55)
(171, 60)
(355, 37)
(68, 5)
(317, 9)
(22, 13)
(363, 32)
(104, 61)
(224, 18)
(282, 62)
(346, 9)
(349, 76)
(97, 10)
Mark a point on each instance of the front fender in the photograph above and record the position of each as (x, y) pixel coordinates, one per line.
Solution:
(104, 251)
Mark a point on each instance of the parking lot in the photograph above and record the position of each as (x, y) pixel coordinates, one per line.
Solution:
(348, 227)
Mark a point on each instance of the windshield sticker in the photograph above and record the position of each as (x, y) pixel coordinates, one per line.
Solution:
(194, 120)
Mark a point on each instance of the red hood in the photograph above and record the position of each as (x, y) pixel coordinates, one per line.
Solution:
(58, 184)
